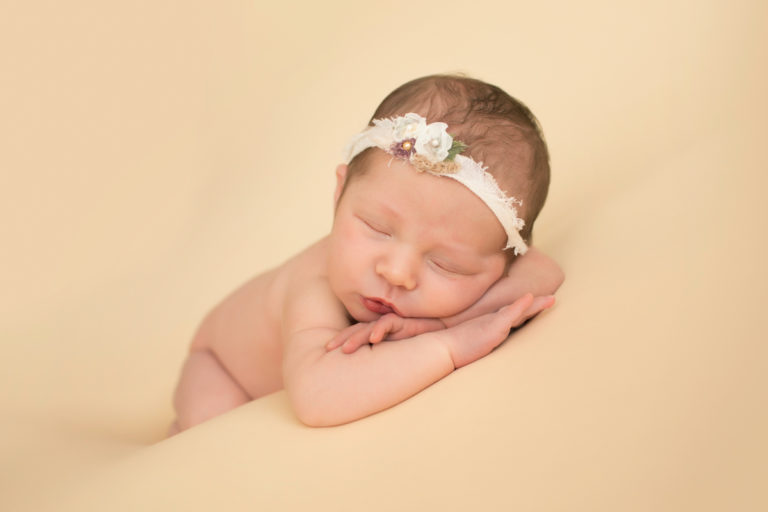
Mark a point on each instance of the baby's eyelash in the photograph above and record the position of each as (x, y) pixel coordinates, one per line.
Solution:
(445, 268)
(377, 229)
(450, 268)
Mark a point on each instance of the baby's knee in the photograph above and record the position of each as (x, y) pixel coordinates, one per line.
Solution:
(205, 390)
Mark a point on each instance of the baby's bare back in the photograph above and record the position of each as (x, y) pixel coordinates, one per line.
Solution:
(244, 331)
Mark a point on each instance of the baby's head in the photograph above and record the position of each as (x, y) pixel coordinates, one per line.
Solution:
(499, 131)
(421, 229)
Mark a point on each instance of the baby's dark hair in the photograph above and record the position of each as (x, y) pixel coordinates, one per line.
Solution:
(500, 131)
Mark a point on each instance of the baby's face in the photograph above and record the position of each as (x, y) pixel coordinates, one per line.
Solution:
(411, 243)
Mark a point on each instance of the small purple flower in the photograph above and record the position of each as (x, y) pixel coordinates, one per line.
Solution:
(403, 149)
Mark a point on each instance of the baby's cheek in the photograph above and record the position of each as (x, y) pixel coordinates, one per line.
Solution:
(469, 292)
(452, 299)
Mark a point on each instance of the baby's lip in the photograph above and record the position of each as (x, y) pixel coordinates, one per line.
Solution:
(380, 306)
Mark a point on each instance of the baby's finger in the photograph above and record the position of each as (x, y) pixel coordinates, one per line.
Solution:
(356, 340)
(538, 305)
(333, 343)
(377, 335)
(384, 326)
(514, 314)
(342, 336)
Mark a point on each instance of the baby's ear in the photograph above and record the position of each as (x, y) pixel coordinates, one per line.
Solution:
(341, 178)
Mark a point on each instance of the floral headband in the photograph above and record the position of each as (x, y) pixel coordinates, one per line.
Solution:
(429, 148)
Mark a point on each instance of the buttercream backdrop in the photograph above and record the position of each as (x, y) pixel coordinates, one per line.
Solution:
(154, 155)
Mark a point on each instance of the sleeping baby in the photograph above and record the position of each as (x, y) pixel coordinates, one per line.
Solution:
(427, 266)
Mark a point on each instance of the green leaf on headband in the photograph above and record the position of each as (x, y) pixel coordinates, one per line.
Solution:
(456, 148)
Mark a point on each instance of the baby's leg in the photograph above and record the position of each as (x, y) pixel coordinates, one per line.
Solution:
(205, 390)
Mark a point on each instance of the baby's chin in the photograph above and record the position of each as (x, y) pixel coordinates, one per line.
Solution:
(353, 319)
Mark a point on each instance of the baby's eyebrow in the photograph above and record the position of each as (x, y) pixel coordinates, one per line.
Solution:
(379, 211)
(386, 209)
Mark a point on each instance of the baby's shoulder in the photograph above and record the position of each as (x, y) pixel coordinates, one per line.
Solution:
(305, 291)
(307, 269)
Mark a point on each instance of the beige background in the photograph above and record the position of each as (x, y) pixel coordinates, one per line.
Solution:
(153, 155)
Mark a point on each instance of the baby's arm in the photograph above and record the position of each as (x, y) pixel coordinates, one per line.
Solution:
(534, 272)
(330, 388)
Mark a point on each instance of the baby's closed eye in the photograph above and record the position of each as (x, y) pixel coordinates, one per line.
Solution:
(449, 267)
(375, 226)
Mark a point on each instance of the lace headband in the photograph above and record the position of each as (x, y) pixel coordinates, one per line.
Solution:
(429, 148)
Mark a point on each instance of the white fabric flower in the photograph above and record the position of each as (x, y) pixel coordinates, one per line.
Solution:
(409, 126)
(434, 142)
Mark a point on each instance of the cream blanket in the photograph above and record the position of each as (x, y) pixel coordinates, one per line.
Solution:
(155, 155)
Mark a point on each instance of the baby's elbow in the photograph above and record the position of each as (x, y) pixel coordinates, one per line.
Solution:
(558, 277)
(312, 409)
(313, 420)
(551, 274)
(309, 414)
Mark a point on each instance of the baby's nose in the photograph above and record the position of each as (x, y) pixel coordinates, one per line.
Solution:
(398, 270)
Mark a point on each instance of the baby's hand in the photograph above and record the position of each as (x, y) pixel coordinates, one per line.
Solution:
(389, 327)
(475, 338)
